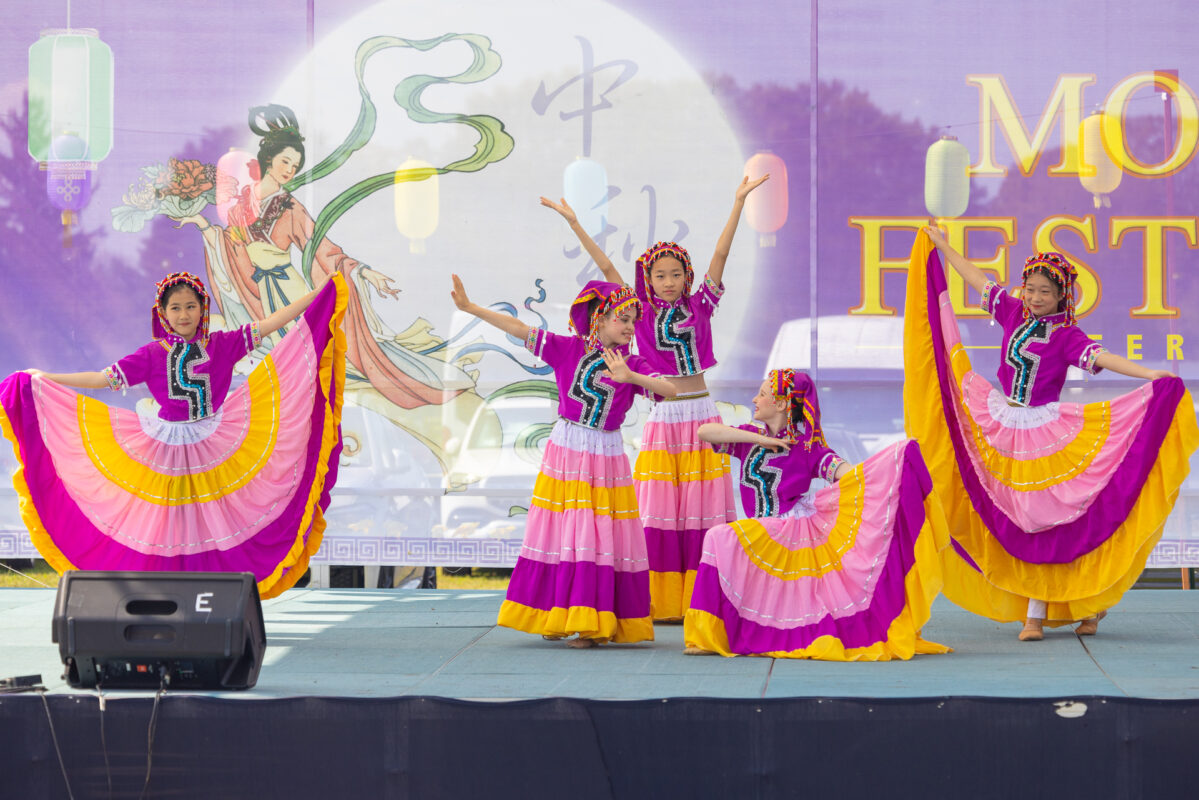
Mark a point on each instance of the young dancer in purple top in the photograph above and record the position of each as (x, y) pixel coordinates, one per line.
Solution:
(582, 567)
(775, 476)
(683, 486)
(846, 573)
(1025, 494)
(213, 479)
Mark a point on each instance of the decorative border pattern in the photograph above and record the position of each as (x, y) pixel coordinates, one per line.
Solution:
(418, 550)
(430, 551)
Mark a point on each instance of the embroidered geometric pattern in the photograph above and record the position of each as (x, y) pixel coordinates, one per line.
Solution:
(1025, 363)
(988, 297)
(764, 479)
(678, 341)
(184, 384)
(829, 465)
(113, 377)
(587, 388)
(1087, 361)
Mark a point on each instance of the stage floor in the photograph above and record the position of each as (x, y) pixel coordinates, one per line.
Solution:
(381, 643)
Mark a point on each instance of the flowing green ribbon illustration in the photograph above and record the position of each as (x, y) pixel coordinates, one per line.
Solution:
(494, 142)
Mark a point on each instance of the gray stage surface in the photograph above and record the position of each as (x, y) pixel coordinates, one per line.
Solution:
(384, 643)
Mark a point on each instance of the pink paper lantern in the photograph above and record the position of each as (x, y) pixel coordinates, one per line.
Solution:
(235, 173)
(766, 206)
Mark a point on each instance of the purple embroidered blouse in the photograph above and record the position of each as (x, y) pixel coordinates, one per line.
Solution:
(585, 396)
(188, 379)
(1037, 351)
(773, 482)
(676, 338)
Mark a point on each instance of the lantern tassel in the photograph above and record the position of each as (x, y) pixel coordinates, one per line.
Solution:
(68, 220)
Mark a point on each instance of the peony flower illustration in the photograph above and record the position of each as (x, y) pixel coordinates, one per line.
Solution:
(190, 178)
(181, 188)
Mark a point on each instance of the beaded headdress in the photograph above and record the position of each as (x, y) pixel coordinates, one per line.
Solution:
(613, 297)
(1060, 272)
(803, 407)
(645, 286)
(158, 320)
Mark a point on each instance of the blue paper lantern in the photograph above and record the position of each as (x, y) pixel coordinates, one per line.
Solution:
(585, 187)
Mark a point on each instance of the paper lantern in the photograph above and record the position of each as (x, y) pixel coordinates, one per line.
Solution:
(70, 92)
(947, 178)
(234, 178)
(68, 179)
(70, 115)
(69, 188)
(585, 187)
(416, 202)
(1107, 173)
(766, 206)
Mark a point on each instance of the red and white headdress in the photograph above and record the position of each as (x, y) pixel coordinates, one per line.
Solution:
(159, 326)
(645, 286)
(803, 407)
(613, 297)
(1060, 272)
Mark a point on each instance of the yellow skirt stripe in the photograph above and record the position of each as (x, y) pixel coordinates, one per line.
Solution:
(670, 593)
(588, 623)
(556, 495)
(696, 465)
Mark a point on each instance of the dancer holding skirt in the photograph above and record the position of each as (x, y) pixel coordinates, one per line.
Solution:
(1054, 507)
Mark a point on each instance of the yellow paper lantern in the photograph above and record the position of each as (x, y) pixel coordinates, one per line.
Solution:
(947, 178)
(416, 202)
(1107, 174)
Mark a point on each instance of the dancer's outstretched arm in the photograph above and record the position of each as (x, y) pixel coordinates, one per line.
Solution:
(597, 255)
(620, 372)
(716, 433)
(505, 322)
(1125, 367)
(970, 273)
(76, 380)
(725, 243)
(292, 310)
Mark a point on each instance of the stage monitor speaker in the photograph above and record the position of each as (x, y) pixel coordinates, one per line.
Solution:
(127, 630)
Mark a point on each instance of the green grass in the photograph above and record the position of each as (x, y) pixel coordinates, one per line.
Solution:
(479, 578)
(39, 576)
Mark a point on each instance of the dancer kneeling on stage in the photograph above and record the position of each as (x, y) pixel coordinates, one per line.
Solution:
(847, 573)
(1053, 507)
(210, 480)
(583, 567)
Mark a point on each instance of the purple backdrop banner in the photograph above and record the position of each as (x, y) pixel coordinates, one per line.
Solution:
(430, 130)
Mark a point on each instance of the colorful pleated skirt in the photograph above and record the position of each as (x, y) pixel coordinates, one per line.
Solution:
(105, 488)
(683, 489)
(1061, 503)
(851, 578)
(582, 567)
